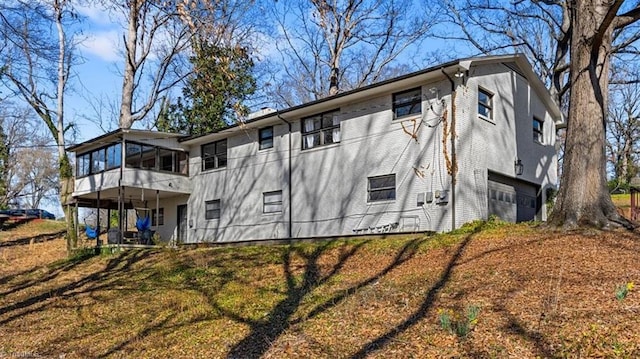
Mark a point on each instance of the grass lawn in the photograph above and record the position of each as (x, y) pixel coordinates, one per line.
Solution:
(493, 290)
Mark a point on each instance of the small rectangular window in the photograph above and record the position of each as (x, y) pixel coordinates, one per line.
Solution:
(272, 202)
(382, 188)
(212, 209)
(322, 129)
(407, 103)
(537, 130)
(485, 104)
(214, 155)
(266, 138)
(160, 218)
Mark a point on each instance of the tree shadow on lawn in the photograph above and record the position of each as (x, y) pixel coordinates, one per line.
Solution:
(263, 333)
(89, 283)
(28, 277)
(428, 303)
(304, 273)
(31, 239)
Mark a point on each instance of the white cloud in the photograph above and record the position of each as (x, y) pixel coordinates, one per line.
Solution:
(103, 45)
(97, 15)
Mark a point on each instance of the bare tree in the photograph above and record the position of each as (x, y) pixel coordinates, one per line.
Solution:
(539, 29)
(583, 198)
(37, 69)
(38, 175)
(623, 128)
(154, 38)
(571, 45)
(157, 42)
(17, 133)
(30, 173)
(328, 46)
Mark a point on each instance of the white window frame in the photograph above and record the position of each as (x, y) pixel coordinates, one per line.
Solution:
(326, 134)
(411, 98)
(265, 142)
(160, 217)
(219, 157)
(485, 108)
(538, 131)
(272, 202)
(380, 189)
(215, 212)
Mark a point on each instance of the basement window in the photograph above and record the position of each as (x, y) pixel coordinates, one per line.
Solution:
(382, 188)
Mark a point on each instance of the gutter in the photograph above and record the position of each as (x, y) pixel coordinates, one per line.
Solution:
(290, 228)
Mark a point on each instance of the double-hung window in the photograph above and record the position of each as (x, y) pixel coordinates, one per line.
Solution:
(319, 130)
(272, 202)
(537, 130)
(407, 103)
(159, 219)
(485, 104)
(212, 209)
(382, 188)
(266, 137)
(214, 155)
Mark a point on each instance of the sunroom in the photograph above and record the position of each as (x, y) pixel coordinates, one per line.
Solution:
(137, 185)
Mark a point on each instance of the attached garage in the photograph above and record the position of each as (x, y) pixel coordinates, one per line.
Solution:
(512, 200)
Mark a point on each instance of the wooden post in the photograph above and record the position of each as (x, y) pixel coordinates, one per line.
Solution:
(98, 222)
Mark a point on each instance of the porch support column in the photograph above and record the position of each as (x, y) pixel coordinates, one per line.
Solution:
(157, 209)
(76, 217)
(125, 211)
(98, 222)
(120, 207)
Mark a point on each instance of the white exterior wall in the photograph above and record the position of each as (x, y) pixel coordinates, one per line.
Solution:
(329, 192)
(485, 146)
(329, 183)
(168, 230)
(239, 186)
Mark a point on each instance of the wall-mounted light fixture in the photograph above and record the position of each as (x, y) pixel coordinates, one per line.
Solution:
(518, 167)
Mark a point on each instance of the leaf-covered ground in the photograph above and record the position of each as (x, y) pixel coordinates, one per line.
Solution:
(535, 293)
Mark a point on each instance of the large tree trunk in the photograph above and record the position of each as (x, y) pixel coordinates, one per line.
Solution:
(584, 199)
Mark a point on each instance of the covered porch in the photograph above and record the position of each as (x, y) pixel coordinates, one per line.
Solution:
(136, 183)
(133, 215)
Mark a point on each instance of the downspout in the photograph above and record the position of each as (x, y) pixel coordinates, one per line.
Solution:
(454, 161)
(290, 229)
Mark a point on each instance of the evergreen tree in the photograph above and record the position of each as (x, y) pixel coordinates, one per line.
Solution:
(215, 94)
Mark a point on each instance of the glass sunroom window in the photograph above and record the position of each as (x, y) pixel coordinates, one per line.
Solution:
(114, 156)
(99, 160)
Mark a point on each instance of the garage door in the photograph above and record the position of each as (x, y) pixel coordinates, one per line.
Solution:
(512, 200)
